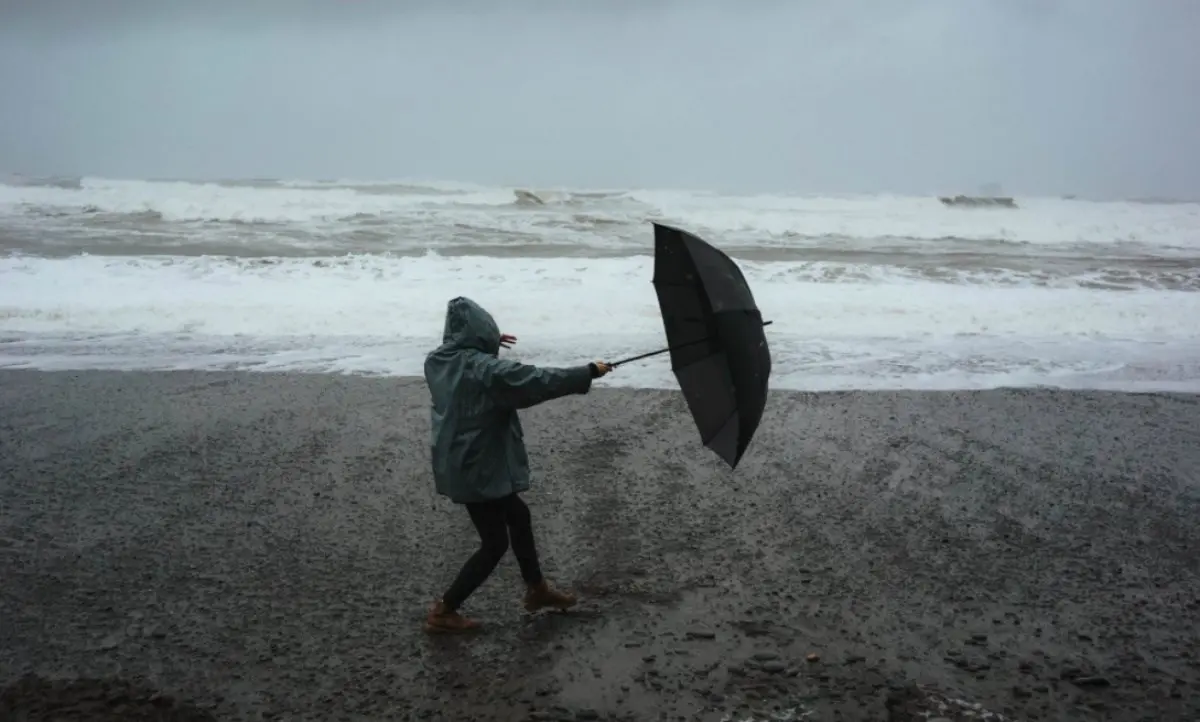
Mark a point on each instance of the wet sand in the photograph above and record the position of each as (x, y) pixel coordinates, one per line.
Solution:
(265, 546)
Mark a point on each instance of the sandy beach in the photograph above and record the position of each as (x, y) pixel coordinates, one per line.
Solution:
(264, 546)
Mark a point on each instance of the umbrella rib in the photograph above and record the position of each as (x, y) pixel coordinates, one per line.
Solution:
(707, 441)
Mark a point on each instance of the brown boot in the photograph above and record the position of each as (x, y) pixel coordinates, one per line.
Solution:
(542, 596)
(445, 621)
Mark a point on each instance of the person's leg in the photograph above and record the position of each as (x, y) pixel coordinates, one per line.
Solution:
(489, 521)
(520, 531)
(539, 593)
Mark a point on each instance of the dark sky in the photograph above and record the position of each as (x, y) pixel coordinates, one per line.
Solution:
(1096, 97)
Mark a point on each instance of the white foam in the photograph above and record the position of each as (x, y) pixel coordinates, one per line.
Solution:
(183, 201)
(379, 314)
(1036, 221)
(424, 213)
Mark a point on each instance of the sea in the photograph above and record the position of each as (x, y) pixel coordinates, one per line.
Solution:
(346, 277)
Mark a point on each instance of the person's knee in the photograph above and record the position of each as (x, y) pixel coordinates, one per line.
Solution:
(495, 544)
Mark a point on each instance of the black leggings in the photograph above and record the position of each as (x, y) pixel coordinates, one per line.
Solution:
(497, 521)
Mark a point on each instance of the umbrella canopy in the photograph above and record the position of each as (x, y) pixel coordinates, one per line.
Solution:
(716, 340)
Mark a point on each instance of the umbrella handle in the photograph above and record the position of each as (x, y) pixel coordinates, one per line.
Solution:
(615, 364)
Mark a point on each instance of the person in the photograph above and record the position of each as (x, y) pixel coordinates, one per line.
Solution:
(478, 451)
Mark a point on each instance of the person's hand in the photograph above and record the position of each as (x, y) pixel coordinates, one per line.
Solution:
(601, 368)
(507, 341)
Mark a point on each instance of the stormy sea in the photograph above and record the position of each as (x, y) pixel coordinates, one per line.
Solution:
(338, 276)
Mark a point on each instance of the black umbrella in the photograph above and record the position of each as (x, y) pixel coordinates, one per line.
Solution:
(715, 337)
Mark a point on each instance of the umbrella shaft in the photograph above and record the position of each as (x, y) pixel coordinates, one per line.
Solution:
(615, 364)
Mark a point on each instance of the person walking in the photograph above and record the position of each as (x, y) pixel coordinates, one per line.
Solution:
(478, 451)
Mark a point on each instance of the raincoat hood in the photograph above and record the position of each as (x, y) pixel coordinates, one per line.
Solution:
(469, 325)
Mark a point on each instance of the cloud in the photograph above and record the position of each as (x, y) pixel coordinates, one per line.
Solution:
(1073, 96)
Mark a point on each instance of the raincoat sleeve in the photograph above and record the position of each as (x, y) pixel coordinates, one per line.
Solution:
(520, 386)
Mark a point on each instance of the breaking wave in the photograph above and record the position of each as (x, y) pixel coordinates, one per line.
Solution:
(351, 276)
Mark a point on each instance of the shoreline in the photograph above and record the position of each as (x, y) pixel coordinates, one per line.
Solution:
(260, 542)
(337, 362)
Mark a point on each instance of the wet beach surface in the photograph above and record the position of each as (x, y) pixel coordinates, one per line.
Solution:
(243, 546)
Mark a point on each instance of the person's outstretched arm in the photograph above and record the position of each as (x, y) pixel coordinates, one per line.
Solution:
(520, 386)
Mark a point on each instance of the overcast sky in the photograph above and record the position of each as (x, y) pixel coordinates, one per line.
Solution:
(1096, 97)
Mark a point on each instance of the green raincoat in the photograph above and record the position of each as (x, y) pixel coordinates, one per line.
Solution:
(478, 444)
